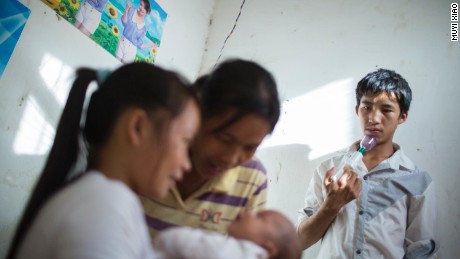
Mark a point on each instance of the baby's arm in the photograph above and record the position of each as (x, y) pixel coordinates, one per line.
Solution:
(185, 242)
(189, 243)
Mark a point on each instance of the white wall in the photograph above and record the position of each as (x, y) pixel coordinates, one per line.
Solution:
(318, 50)
(36, 81)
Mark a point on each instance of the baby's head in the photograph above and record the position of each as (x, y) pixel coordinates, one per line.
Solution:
(269, 229)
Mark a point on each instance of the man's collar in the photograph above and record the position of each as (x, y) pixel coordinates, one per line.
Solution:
(395, 161)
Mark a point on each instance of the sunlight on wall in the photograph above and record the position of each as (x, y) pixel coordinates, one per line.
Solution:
(56, 76)
(323, 119)
(36, 133)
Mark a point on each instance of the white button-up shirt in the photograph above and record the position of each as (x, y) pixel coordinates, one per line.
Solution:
(394, 216)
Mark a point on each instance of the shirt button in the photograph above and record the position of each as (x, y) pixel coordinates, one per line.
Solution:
(361, 213)
(358, 251)
(365, 177)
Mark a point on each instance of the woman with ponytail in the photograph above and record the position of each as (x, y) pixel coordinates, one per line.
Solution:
(134, 135)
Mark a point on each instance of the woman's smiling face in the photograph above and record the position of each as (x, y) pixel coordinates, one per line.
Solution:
(214, 152)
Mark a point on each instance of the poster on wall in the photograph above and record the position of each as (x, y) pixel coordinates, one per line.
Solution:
(13, 18)
(130, 30)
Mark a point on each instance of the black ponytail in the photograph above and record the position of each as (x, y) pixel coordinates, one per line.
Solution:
(61, 159)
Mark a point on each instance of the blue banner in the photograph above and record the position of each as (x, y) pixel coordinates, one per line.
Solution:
(13, 17)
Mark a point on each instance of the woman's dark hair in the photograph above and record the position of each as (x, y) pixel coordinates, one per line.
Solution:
(388, 81)
(162, 94)
(147, 6)
(243, 86)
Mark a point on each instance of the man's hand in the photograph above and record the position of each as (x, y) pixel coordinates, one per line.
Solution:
(342, 191)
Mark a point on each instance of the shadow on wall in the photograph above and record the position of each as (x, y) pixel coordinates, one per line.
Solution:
(289, 171)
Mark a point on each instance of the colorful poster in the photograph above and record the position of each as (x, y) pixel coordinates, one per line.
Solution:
(13, 18)
(130, 30)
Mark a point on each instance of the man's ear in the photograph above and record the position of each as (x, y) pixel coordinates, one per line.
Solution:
(271, 248)
(356, 109)
(403, 117)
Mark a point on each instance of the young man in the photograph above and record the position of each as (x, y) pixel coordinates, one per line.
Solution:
(385, 206)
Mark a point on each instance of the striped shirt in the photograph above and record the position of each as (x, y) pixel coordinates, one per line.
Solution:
(215, 205)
